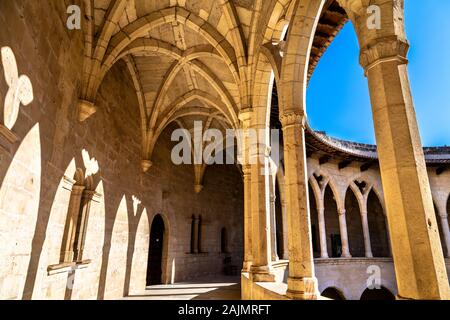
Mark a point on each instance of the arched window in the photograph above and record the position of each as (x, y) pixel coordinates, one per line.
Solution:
(81, 196)
(193, 227)
(354, 225)
(223, 241)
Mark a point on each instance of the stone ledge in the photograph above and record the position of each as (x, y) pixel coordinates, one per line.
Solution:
(67, 267)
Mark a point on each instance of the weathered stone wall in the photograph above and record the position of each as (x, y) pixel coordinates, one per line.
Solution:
(36, 174)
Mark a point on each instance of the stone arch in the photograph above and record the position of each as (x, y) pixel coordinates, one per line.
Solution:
(168, 261)
(296, 60)
(263, 85)
(157, 252)
(378, 228)
(354, 224)
(336, 193)
(314, 216)
(333, 293)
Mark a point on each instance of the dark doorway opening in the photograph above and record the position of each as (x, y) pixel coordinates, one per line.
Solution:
(377, 294)
(155, 254)
(333, 293)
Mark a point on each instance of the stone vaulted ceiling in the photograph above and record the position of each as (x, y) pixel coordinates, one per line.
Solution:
(189, 59)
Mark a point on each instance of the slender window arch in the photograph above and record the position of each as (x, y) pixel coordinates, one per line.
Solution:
(223, 240)
(354, 224)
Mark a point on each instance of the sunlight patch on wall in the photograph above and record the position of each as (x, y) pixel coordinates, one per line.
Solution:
(19, 205)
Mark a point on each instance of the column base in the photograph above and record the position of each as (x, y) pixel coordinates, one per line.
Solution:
(262, 274)
(246, 266)
(346, 255)
(302, 289)
(324, 256)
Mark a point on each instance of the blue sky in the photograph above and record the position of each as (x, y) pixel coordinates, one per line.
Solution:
(338, 98)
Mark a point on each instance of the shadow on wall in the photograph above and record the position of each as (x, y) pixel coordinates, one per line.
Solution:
(31, 244)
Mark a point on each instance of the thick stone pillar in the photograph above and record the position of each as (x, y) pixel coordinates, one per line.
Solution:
(245, 118)
(322, 232)
(261, 270)
(302, 283)
(344, 234)
(366, 233)
(445, 231)
(67, 250)
(419, 263)
(417, 253)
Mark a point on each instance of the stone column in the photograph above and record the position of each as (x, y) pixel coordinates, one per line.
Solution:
(445, 231)
(67, 250)
(322, 232)
(261, 270)
(273, 226)
(366, 232)
(419, 263)
(245, 118)
(302, 283)
(196, 221)
(285, 231)
(344, 234)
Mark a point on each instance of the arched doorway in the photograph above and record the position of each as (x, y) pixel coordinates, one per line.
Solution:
(332, 224)
(333, 294)
(314, 223)
(155, 254)
(377, 294)
(377, 226)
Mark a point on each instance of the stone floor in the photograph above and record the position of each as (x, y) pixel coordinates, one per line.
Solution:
(222, 288)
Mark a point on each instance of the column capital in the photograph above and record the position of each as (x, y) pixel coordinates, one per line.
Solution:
(342, 212)
(245, 114)
(293, 118)
(364, 213)
(390, 48)
(146, 165)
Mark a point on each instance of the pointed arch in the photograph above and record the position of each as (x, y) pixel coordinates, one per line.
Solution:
(294, 71)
